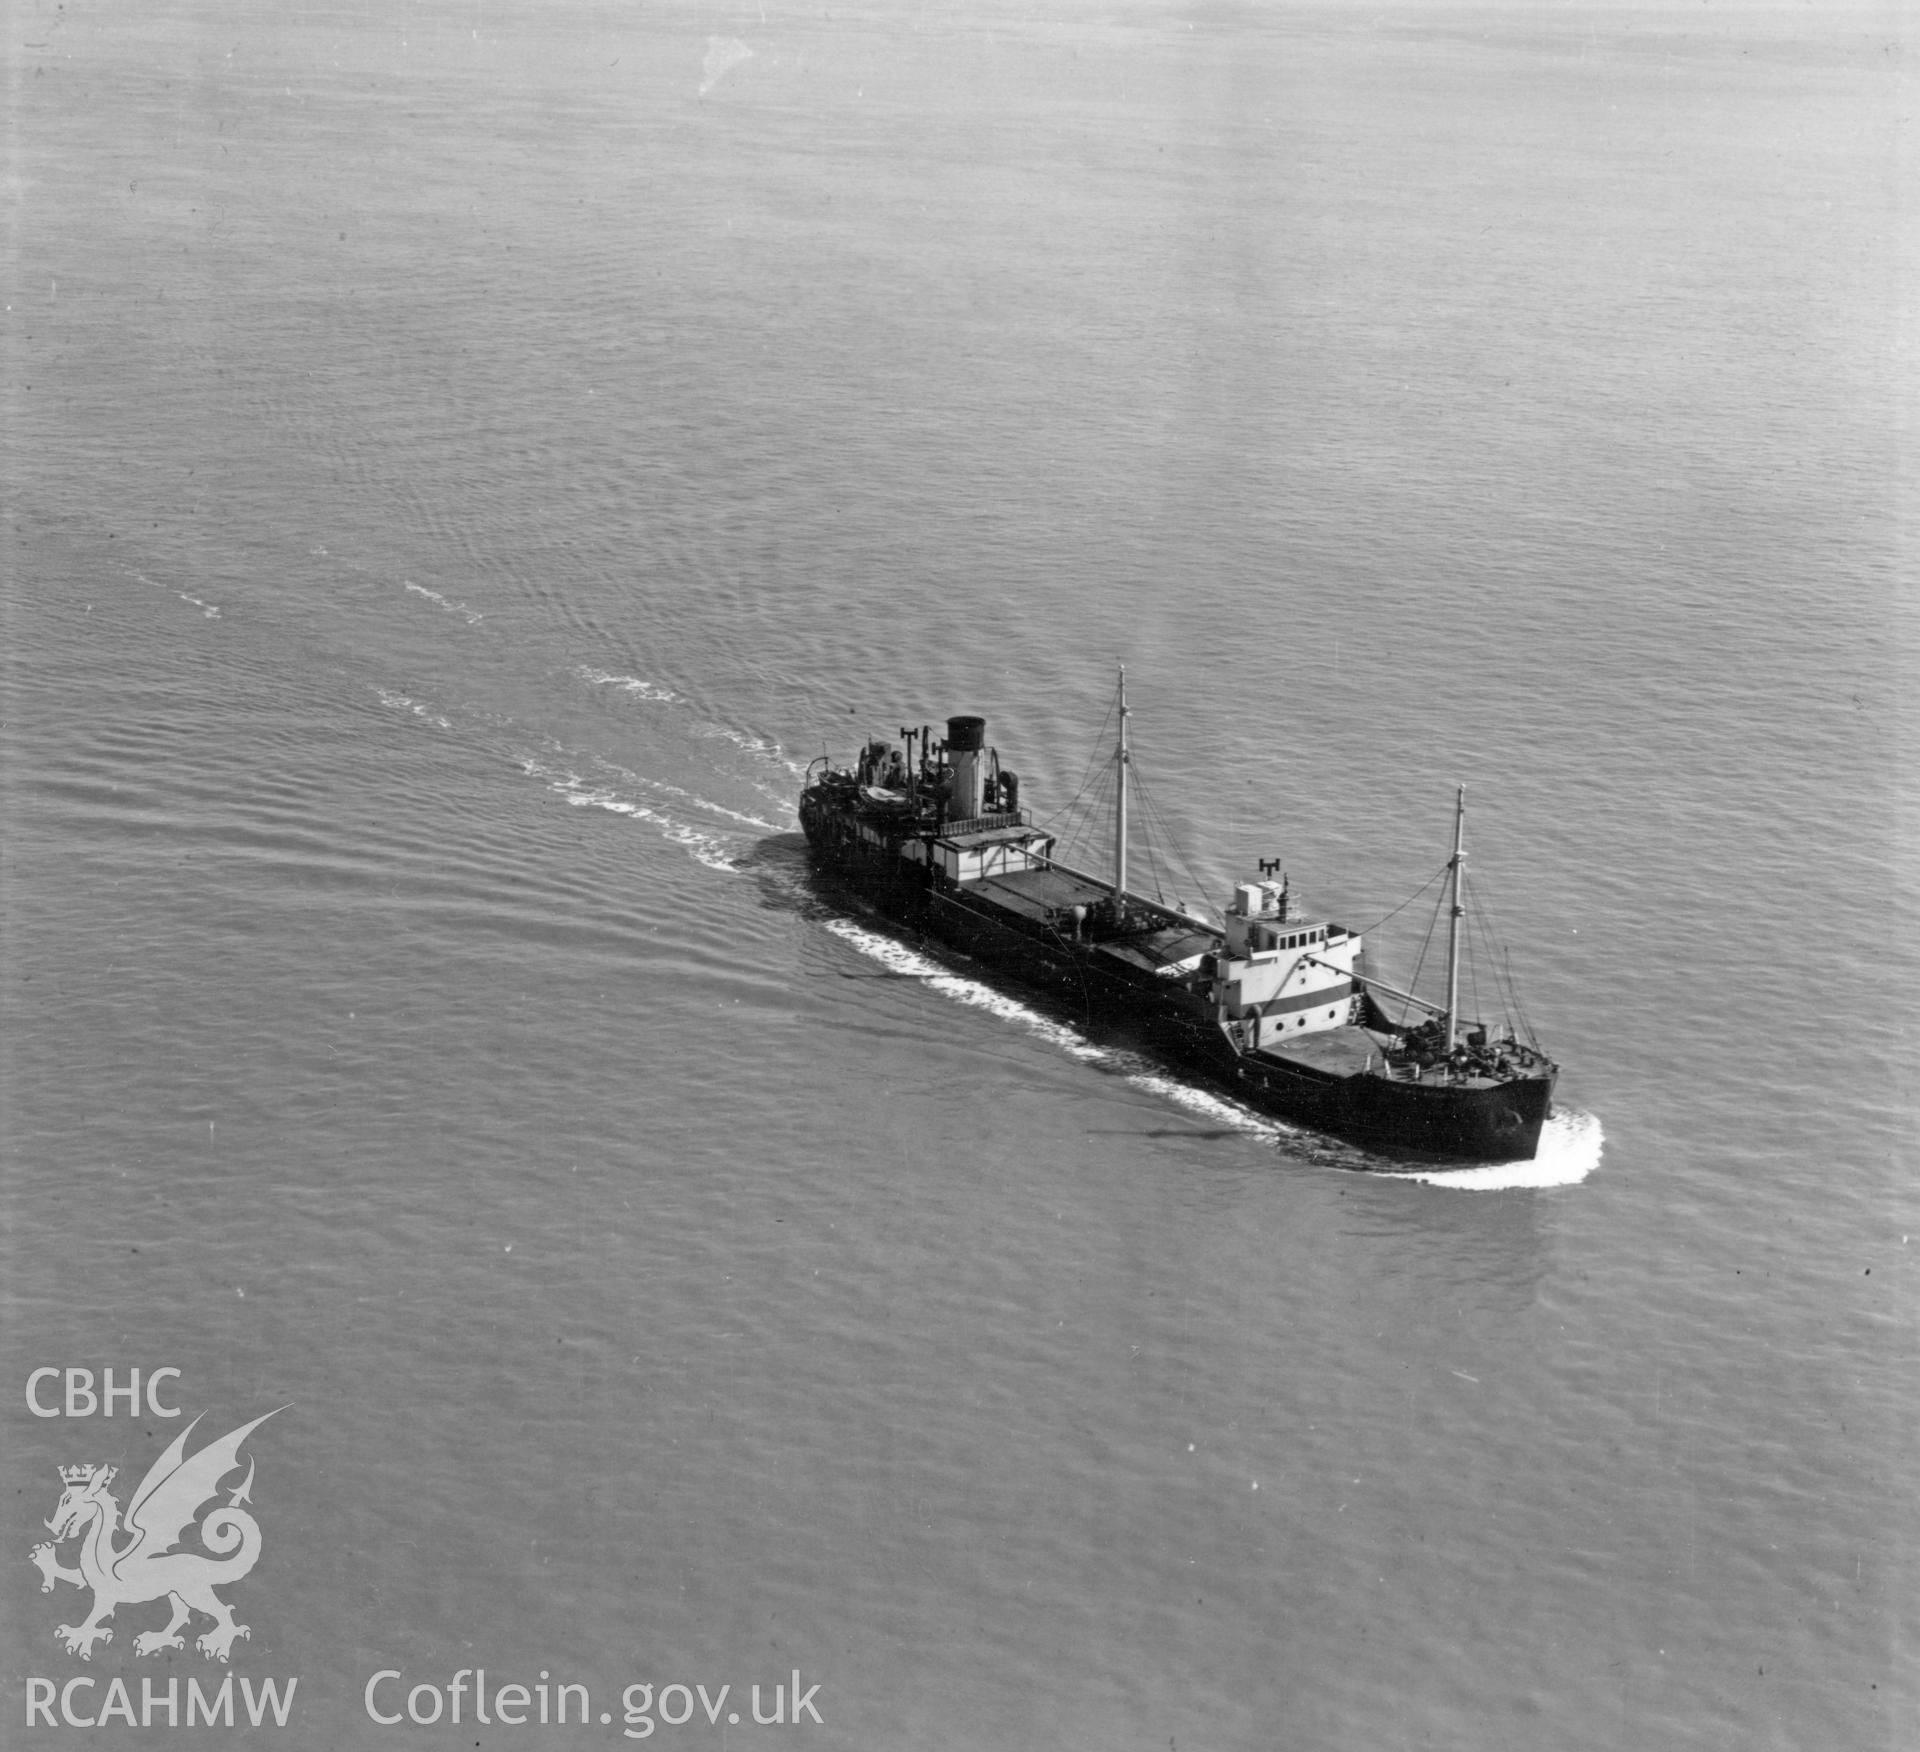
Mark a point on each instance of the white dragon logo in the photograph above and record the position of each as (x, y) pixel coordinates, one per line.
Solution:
(148, 1566)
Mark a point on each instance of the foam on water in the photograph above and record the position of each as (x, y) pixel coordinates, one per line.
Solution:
(1569, 1151)
(898, 958)
(1207, 1105)
(398, 702)
(647, 690)
(758, 745)
(687, 796)
(210, 610)
(473, 615)
(709, 848)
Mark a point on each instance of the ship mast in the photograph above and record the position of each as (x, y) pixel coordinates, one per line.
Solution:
(1453, 923)
(1120, 757)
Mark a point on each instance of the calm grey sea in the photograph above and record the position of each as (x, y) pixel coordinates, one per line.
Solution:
(462, 460)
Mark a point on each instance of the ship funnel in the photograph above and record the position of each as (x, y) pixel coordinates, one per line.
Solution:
(965, 739)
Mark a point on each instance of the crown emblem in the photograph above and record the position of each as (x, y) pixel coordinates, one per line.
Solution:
(83, 1474)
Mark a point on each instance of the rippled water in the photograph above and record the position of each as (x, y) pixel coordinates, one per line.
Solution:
(463, 462)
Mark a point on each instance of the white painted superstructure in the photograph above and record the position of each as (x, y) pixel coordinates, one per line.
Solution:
(1280, 975)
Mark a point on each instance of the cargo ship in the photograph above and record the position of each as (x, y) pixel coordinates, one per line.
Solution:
(1272, 1003)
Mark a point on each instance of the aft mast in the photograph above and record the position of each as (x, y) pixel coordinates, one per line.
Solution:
(1121, 759)
(1453, 923)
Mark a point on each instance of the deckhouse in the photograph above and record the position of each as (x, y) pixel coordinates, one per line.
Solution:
(1280, 974)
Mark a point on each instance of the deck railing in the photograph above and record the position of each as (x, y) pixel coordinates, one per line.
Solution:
(982, 823)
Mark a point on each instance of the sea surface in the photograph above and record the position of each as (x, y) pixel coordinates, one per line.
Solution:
(462, 461)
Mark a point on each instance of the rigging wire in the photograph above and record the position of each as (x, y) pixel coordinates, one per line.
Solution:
(1411, 898)
(1504, 961)
(1413, 984)
(1075, 822)
(1503, 977)
(1473, 961)
(1084, 826)
(1090, 828)
(1477, 951)
(1152, 815)
(1094, 760)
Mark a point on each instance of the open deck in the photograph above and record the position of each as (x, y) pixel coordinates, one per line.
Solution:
(1334, 1052)
(1047, 897)
(1346, 1052)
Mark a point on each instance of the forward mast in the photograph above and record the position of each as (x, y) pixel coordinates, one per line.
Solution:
(1453, 920)
(1121, 761)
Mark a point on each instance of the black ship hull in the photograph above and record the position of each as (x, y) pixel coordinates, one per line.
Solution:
(1337, 1086)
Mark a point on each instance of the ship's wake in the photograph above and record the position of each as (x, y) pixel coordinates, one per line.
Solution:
(399, 702)
(633, 684)
(209, 609)
(716, 847)
(896, 957)
(712, 833)
(472, 616)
